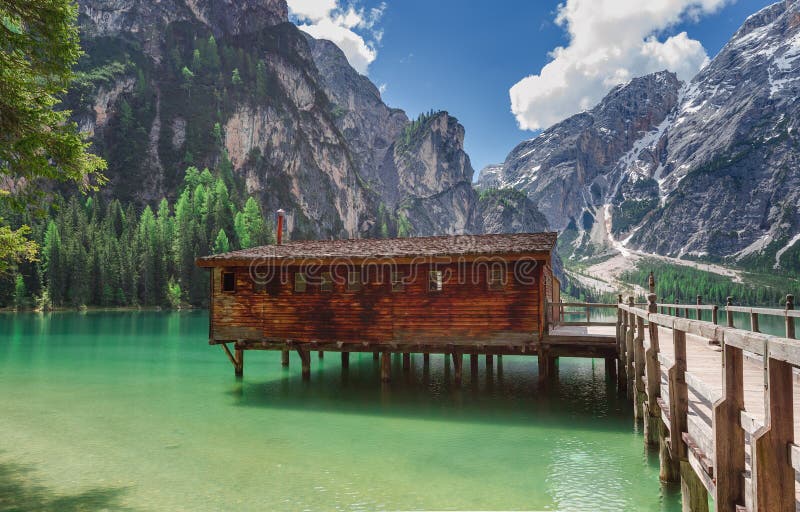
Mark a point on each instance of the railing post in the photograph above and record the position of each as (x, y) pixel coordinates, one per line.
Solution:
(621, 379)
(678, 397)
(651, 283)
(754, 322)
(728, 312)
(677, 309)
(790, 333)
(653, 371)
(639, 369)
(728, 435)
(588, 314)
(630, 323)
(715, 315)
(772, 471)
(699, 311)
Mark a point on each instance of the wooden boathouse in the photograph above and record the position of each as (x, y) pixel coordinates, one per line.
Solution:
(455, 295)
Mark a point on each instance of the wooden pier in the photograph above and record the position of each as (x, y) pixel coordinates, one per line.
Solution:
(717, 401)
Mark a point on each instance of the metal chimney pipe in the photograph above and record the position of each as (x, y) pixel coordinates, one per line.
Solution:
(279, 233)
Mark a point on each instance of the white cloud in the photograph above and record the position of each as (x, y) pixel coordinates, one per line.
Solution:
(353, 29)
(610, 42)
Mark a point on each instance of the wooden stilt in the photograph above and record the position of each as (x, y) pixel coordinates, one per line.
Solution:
(489, 361)
(653, 372)
(285, 357)
(305, 360)
(345, 360)
(376, 356)
(668, 468)
(694, 496)
(473, 365)
(457, 365)
(239, 368)
(406, 362)
(321, 354)
(426, 359)
(386, 367)
(611, 369)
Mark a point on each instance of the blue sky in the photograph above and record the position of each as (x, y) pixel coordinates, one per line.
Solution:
(464, 57)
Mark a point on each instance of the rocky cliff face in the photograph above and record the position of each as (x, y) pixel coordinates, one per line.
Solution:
(234, 87)
(707, 169)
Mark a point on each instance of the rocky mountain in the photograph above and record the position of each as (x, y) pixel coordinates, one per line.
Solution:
(235, 87)
(707, 169)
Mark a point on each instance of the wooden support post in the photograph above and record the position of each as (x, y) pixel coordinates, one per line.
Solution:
(621, 378)
(640, 395)
(611, 369)
(728, 435)
(239, 368)
(630, 325)
(678, 398)
(715, 315)
(728, 312)
(754, 322)
(694, 496)
(426, 359)
(489, 361)
(772, 471)
(699, 311)
(473, 365)
(386, 367)
(406, 362)
(669, 469)
(305, 360)
(321, 354)
(458, 362)
(544, 369)
(376, 356)
(285, 357)
(345, 360)
(790, 333)
(653, 371)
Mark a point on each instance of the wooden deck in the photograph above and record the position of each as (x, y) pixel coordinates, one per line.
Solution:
(728, 429)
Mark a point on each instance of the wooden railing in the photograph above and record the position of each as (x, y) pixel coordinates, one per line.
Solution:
(708, 455)
(557, 313)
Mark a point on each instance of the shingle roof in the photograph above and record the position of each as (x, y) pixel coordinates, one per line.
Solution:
(428, 246)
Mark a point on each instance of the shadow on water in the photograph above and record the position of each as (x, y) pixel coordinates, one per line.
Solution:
(509, 393)
(19, 492)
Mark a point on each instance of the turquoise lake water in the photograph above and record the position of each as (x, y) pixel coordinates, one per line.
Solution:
(135, 411)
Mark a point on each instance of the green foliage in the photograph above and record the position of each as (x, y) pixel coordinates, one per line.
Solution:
(98, 254)
(413, 131)
(221, 243)
(236, 78)
(20, 293)
(38, 47)
(631, 212)
(684, 284)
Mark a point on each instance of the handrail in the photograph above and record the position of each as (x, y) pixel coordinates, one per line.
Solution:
(585, 304)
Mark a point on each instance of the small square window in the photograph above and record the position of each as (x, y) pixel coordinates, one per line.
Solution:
(435, 281)
(299, 282)
(228, 282)
(497, 279)
(397, 282)
(353, 281)
(326, 282)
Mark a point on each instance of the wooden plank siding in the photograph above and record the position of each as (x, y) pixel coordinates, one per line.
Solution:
(465, 310)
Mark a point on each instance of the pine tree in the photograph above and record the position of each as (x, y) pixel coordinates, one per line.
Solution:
(221, 243)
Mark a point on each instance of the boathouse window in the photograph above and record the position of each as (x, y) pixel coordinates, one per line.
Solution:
(353, 281)
(228, 282)
(435, 281)
(397, 282)
(326, 283)
(299, 282)
(496, 279)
